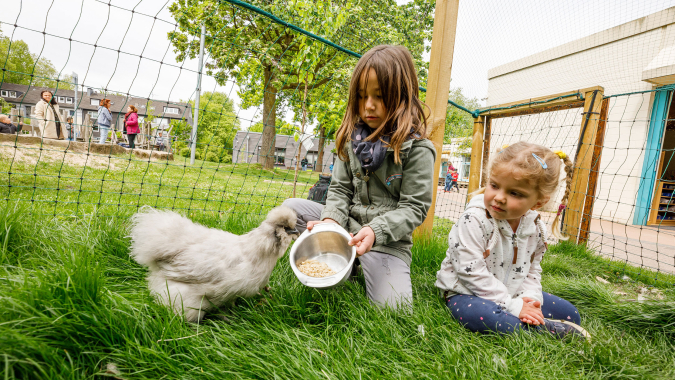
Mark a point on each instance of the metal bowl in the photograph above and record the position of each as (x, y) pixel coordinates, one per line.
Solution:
(327, 243)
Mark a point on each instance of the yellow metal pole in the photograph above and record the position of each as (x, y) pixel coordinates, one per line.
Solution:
(440, 65)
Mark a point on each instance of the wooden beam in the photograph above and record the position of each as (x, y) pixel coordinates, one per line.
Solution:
(476, 154)
(531, 111)
(582, 162)
(527, 104)
(486, 150)
(595, 171)
(440, 65)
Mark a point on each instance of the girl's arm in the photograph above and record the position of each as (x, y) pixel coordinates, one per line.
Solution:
(470, 244)
(414, 200)
(340, 194)
(531, 286)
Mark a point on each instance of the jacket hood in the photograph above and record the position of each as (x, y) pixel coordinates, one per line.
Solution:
(527, 225)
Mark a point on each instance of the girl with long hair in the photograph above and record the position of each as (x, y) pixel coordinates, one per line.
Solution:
(382, 185)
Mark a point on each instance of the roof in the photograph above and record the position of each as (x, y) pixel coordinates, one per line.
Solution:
(31, 95)
(638, 26)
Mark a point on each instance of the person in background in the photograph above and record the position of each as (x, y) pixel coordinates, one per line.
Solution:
(104, 120)
(454, 176)
(48, 117)
(448, 179)
(304, 163)
(70, 127)
(6, 125)
(131, 125)
(331, 168)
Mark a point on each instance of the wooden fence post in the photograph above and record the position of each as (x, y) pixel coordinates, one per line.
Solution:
(476, 154)
(595, 171)
(583, 161)
(440, 65)
(486, 150)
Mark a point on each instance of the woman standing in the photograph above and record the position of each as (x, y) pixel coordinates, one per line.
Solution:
(131, 123)
(47, 112)
(104, 119)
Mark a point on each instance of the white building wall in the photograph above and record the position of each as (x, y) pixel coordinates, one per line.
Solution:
(618, 67)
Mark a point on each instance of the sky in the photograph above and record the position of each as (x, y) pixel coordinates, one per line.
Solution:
(489, 33)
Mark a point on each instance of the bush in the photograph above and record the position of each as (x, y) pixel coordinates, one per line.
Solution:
(185, 152)
(210, 156)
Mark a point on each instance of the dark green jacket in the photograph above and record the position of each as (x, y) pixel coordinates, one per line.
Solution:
(393, 200)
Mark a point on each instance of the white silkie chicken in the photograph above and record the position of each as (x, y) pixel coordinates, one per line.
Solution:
(194, 268)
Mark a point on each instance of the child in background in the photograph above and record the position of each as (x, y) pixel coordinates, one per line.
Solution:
(448, 180)
(491, 274)
(382, 182)
(454, 176)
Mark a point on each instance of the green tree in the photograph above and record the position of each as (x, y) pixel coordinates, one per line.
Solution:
(218, 124)
(458, 123)
(282, 128)
(268, 60)
(23, 67)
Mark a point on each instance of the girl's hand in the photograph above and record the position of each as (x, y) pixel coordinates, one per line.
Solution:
(363, 240)
(531, 312)
(313, 223)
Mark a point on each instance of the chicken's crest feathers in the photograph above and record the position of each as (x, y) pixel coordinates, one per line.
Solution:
(282, 216)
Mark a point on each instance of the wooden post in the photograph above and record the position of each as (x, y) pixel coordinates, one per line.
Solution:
(14, 115)
(595, 171)
(476, 154)
(440, 65)
(583, 159)
(486, 150)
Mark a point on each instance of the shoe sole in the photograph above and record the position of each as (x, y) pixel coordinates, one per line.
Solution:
(583, 331)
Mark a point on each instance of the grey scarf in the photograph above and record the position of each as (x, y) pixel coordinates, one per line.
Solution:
(370, 153)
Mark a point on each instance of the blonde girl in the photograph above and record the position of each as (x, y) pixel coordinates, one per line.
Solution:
(492, 270)
(382, 183)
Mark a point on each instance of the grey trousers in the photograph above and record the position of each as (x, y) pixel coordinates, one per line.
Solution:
(387, 277)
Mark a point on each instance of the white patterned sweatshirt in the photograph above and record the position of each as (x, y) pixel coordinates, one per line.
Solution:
(502, 267)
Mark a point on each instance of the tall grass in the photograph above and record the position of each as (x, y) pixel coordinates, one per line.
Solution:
(72, 302)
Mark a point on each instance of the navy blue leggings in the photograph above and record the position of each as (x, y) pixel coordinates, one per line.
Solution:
(479, 314)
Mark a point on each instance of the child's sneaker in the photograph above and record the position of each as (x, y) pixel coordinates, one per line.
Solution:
(561, 328)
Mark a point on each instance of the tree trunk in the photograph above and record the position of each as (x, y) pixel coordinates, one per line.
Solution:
(302, 133)
(269, 120)
(322, 142)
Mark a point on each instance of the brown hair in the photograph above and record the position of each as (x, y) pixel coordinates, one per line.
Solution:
(52, 101)
(397, 78)
(133, 108)
(519, 157)
(105, 103)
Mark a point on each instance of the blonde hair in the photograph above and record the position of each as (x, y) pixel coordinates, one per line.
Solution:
(519, 156)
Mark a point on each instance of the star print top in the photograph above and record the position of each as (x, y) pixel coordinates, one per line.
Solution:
(487, 259)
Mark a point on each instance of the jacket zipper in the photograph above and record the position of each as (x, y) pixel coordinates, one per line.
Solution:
(514, 243)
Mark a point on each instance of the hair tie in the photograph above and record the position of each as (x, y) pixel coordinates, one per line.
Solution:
(560, 154)
(505, 146)
(561, 208)
(542, 162)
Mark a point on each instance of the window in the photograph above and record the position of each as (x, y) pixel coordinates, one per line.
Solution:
(4, 93)
(93, 116)
(61, 99)
(172, 110)
(8, 94)
(279, 156)
(69, 100)
(94, 102)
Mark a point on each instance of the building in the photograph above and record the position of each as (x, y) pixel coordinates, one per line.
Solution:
(635, 64)
(247, 149)
(25, 98)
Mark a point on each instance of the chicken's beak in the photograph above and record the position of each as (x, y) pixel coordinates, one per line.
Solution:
(291, 231)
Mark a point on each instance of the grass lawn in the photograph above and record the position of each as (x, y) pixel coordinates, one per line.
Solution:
(57, 182)
(73, 304)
